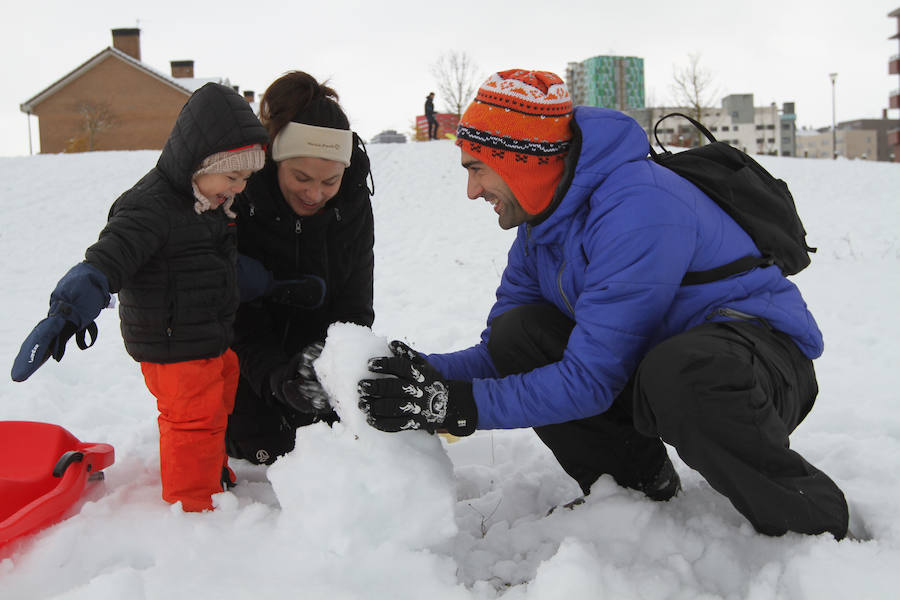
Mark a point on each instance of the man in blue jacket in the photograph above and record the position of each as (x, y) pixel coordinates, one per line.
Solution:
(594, 341)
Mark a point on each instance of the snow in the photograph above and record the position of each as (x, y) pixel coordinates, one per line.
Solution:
(354, 513)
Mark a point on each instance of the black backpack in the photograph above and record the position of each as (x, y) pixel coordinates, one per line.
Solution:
(761, 204)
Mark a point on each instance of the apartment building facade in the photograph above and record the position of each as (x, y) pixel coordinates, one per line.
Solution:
(894, 100)
(607, 81)
(753, 129)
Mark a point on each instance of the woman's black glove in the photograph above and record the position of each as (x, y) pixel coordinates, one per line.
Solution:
(417, 398)
(296, 385)
(306, 292)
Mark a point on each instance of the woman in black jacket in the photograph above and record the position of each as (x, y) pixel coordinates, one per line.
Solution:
(307, 216)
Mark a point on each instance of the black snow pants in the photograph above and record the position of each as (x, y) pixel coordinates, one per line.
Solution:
(725, 395)
(432, 127)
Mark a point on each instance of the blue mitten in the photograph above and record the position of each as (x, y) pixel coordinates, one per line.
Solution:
(254, 280)
(77, 300)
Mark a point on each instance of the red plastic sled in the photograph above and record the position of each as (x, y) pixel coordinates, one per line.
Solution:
(44, 470)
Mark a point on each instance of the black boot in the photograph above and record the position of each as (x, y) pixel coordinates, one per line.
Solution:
(664, 485)
(227, 481)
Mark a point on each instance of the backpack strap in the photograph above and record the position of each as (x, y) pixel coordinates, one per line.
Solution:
(733, 268)
(740, 265)
(693, 122)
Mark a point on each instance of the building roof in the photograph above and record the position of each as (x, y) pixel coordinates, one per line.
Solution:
(184, 85)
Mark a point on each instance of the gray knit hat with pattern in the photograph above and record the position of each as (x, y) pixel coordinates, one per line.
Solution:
(247, 158)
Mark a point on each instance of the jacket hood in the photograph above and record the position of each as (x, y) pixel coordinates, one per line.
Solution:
(214, 119)
(606, 140)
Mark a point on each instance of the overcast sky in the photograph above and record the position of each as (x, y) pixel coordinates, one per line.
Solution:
(378, 54)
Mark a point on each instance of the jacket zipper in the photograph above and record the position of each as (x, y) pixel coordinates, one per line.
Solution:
(298, 229)
(561, 292)
(730, 313)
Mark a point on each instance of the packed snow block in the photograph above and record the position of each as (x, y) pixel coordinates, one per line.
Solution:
(352, 486)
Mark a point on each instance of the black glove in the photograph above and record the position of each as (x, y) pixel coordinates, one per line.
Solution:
(77, 300)
(417, 398)
(256, 281)
(306, 292)
(297, 386)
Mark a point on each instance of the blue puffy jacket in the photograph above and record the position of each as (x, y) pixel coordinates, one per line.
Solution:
(612, 256)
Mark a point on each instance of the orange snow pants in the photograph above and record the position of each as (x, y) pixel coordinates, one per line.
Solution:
(194, 399)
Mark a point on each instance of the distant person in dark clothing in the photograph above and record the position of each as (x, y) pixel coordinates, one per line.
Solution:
(429, 116)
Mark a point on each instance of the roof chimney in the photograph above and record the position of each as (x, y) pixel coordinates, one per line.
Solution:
(128, 41)
(249, 95)
(182, 68)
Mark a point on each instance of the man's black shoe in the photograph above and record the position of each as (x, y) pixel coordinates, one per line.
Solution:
(664, 485)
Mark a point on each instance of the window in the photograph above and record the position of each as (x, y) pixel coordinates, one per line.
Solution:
(759, 140)
(770, 126)
(735, 127)
(713, 128)
(758, 127)
(724, 127)
(771, 140)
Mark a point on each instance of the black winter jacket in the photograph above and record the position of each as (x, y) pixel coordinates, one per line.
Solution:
(334, 244)
(175, 270)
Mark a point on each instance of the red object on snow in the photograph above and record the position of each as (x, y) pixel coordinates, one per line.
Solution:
(44, 470)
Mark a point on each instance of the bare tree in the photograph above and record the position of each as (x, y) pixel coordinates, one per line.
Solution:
(692, 88)
(95, 119)
(457, 80)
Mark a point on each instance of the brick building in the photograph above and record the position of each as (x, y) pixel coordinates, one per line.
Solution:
(113, 101)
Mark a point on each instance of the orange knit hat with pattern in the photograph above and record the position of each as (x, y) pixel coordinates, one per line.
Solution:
(518, 125)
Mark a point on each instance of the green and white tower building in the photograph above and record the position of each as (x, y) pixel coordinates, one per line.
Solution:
(608, 81)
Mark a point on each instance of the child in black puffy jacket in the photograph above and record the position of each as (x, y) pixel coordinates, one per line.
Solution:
(168, 251)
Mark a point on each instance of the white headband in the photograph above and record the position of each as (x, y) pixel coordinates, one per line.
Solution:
(299, 139)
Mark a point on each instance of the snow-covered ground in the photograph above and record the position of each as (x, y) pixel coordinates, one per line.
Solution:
(353, 513)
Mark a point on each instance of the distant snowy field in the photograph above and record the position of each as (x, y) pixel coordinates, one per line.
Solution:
(354, 514)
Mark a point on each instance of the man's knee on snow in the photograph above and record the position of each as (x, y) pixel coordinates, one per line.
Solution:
(527, 337)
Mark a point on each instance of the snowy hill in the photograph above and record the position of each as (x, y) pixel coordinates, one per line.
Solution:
(339, 519)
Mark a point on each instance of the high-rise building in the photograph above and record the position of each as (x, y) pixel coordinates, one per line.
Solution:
(608, 81)
(894, 102)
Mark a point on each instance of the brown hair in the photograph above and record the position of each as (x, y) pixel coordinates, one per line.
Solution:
(297, 96)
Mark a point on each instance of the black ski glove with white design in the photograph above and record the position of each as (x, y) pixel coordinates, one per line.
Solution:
(418, 397)
(297, 386)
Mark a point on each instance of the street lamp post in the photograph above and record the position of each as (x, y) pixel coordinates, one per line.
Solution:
(833, 127)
